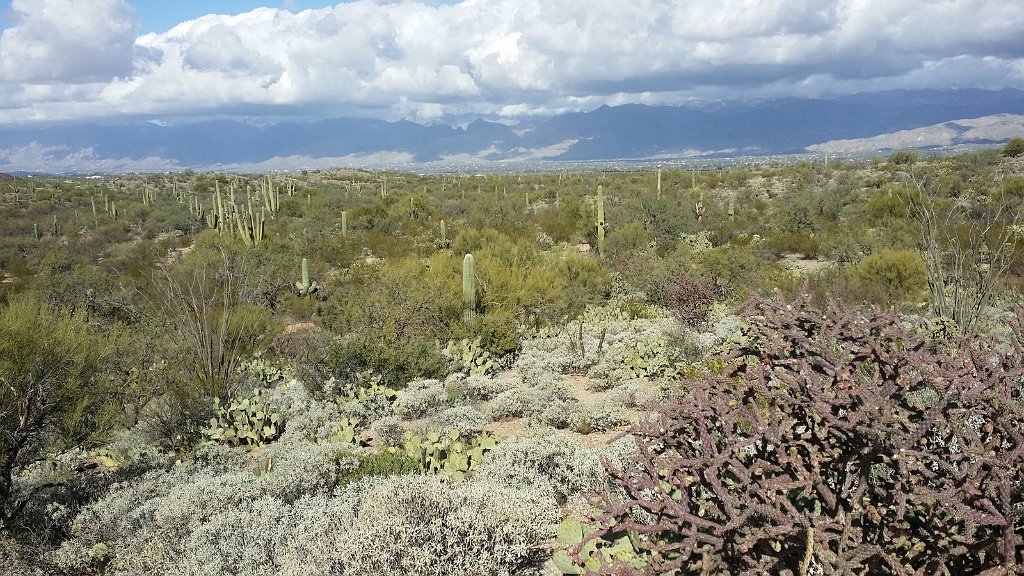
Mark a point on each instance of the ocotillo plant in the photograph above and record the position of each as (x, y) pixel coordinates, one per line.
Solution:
(468, 288)
(600, 220)
(304, 286)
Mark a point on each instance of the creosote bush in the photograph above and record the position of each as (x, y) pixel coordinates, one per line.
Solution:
(835, 442)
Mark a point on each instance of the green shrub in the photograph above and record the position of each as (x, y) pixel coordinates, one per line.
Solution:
(889, 277)
(1014, 148)
(384, 463)
(56, 393)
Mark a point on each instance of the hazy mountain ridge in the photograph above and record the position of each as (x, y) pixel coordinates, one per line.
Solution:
(860, 122)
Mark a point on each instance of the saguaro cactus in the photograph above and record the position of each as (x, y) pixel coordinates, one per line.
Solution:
(659, 183)
(468, 288)
(600, 220)
(344, 224)
(304, 286)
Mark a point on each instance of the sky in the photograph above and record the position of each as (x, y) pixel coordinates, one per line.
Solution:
(451, 61)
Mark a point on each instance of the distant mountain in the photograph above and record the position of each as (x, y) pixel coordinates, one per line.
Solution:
(985, 130)
(859, 122)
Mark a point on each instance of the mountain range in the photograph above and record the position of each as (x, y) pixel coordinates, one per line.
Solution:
(852, 124)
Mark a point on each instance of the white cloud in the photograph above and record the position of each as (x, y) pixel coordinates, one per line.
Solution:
(68, 41)
(496, 57)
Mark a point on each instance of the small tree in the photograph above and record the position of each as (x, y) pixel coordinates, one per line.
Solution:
(54, 394)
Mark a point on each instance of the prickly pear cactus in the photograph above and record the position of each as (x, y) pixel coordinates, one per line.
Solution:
(648, 359)
(347, 432)
(594, 554)
(469, 356)
(367, 386)
(244, 422)
(451, 455)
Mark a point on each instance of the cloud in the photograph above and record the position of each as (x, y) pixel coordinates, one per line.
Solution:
(58, 41)
(427, 60)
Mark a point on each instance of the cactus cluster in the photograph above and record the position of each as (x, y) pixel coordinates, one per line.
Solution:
(469, 356)
(647, 359)
(594, 552)
(451, 454)
(244, 421)
(367, 385)
(347, 432)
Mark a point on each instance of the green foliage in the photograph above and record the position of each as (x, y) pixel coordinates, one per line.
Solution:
(469, 356)
(363, 387)
(347, 431)
(378, 464)
(55, 392)
(589, 552)
(904, 157)
(737, 271)
(390, 316)
(244, 421)
(451, 454)
(1014, 148)
(651, 359)
(890, 277)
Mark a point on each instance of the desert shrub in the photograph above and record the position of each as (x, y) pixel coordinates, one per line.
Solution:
(57, 392)
(389, 318)
(385, 463)
(545, 460)
(889, 277)
(836, 443)
(737, 271)
(904, 157)
(689, 299)
(466, 419)
(388, 431)
(419, 398)
(802, 243)
(1014, 148)
(481, 387)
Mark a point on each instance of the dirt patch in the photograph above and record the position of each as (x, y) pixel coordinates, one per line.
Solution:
(797, 263)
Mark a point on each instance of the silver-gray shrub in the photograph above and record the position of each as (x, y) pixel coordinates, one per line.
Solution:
(388, 431)
(420, 398)
(400, 525)
(149, 522)
(466, 419)
(482, 387)
(547, 460)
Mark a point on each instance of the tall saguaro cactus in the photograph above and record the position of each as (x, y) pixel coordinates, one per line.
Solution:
(600, 220)
(468, 288)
